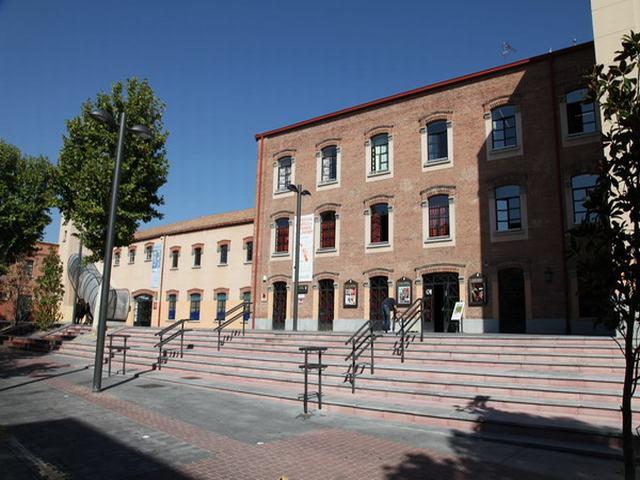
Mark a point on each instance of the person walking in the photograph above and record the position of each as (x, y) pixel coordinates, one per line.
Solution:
(388, 305)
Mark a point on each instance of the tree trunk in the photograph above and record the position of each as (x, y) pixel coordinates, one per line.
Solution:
(627, 420)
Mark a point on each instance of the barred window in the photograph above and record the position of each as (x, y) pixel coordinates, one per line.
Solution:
(328, 230)
(284, 173)
(329, 164)
(282, 235)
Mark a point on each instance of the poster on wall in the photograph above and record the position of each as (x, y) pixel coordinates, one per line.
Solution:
(403, 292)
(156, 261)
(350, 294)
(477, 291)
(306, 248)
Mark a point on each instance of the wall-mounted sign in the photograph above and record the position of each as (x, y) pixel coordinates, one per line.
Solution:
(458, 310)
(306, 248)
(404, 292)
(350, 299)
(303, 289)
(477, 291)
(156, 260)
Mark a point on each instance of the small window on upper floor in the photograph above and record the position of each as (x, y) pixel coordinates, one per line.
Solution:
(437, 145)
(148, 251)
(175, 254)
(508, 208)
(379, 153)
(224, 254)
(380, 223)
(284, 173)
(581, 113)
(581, 187)
(329, 164)
(503, 127)
(438, 216)
(282, 235)
(328, 229)
(116, 259)
(249, 251)
(132, 255)
(197, 256)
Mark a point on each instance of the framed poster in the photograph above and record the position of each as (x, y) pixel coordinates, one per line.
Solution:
(477, 291)
(458, 310)
(404, 292)
(350, 296)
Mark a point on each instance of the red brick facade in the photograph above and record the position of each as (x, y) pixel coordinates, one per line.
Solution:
(527, 264)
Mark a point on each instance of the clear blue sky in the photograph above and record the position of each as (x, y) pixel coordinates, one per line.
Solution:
(229, 69)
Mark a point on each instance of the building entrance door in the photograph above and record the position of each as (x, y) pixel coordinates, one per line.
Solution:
(441, 292)
(378, 291)
(325, 310)
(143, 310)
(279, 305)
(511, 301)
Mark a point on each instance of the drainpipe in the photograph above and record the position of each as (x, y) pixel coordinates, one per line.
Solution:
(556, 132)
(256, 232)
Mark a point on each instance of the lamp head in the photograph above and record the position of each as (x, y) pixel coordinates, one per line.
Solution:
(291, 187)
(306, 192)
(103, 116)
(141, 131)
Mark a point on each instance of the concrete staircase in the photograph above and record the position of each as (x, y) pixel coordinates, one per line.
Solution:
(559, 392)
(47, 341)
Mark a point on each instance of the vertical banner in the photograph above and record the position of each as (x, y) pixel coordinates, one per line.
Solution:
(156, 260)
(306, 247)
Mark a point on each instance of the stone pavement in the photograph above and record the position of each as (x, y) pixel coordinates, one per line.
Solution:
(53, 426)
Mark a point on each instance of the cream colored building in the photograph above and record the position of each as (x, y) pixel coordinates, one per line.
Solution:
(189, 269)
(611, 20)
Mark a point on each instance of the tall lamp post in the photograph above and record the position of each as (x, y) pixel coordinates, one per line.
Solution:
(106, 118)
(297, 189)
(75, 297)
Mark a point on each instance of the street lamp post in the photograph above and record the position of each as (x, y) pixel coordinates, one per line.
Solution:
(297, 189)
(75, 298)
(142, 131)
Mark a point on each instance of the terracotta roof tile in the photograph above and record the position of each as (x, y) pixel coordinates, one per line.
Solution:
(218, 220)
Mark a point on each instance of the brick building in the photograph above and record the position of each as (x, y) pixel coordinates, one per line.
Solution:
(460, 190)
(17, 300)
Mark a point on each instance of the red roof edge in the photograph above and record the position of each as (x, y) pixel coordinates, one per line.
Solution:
(420, 90)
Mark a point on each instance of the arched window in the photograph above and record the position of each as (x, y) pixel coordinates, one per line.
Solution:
(380, 153)
(581, 187)
(284, 173)
(148, 251)
(581, 113)
(172, 300)
(329, 171)
(508, 208)
(194, 309)
(282, 235)
(328, 229)
(503, 127)
(437, 146)
(439, 216)
(380, 223)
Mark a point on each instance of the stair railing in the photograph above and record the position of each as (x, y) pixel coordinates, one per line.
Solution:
(360, 341)
(408, 319)
(164, 340)
(224, 319)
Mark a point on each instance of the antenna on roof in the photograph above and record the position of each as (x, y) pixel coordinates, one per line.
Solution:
(575, 41)
(507, 49)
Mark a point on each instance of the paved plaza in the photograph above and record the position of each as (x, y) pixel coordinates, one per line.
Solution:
(53, 426)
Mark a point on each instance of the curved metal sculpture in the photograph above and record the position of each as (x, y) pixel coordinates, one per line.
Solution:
(86, 280)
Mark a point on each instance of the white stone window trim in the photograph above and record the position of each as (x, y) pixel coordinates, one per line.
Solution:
(378, 246)
(278, 256)
(504, 152)
(330, 251)
(327, 184)
(439, 163)
(433, 242)
(385, 174)
(573, 139)
(515, 234)
(284, 192)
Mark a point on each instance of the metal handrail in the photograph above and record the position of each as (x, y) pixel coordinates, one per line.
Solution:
(407, 320)
(164, 341)
(306, 366)
(362, 339)
(222, 323)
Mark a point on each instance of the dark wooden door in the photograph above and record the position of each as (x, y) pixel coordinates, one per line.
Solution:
(279, 305)
(325, 310)
(378, 291)
(512, 311)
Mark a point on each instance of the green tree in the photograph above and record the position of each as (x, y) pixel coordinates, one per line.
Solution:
(26, 196)
(608, 249)
(87, 160)
(48, 292)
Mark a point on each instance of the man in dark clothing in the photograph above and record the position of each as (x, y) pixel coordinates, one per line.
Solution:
(388, 304)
